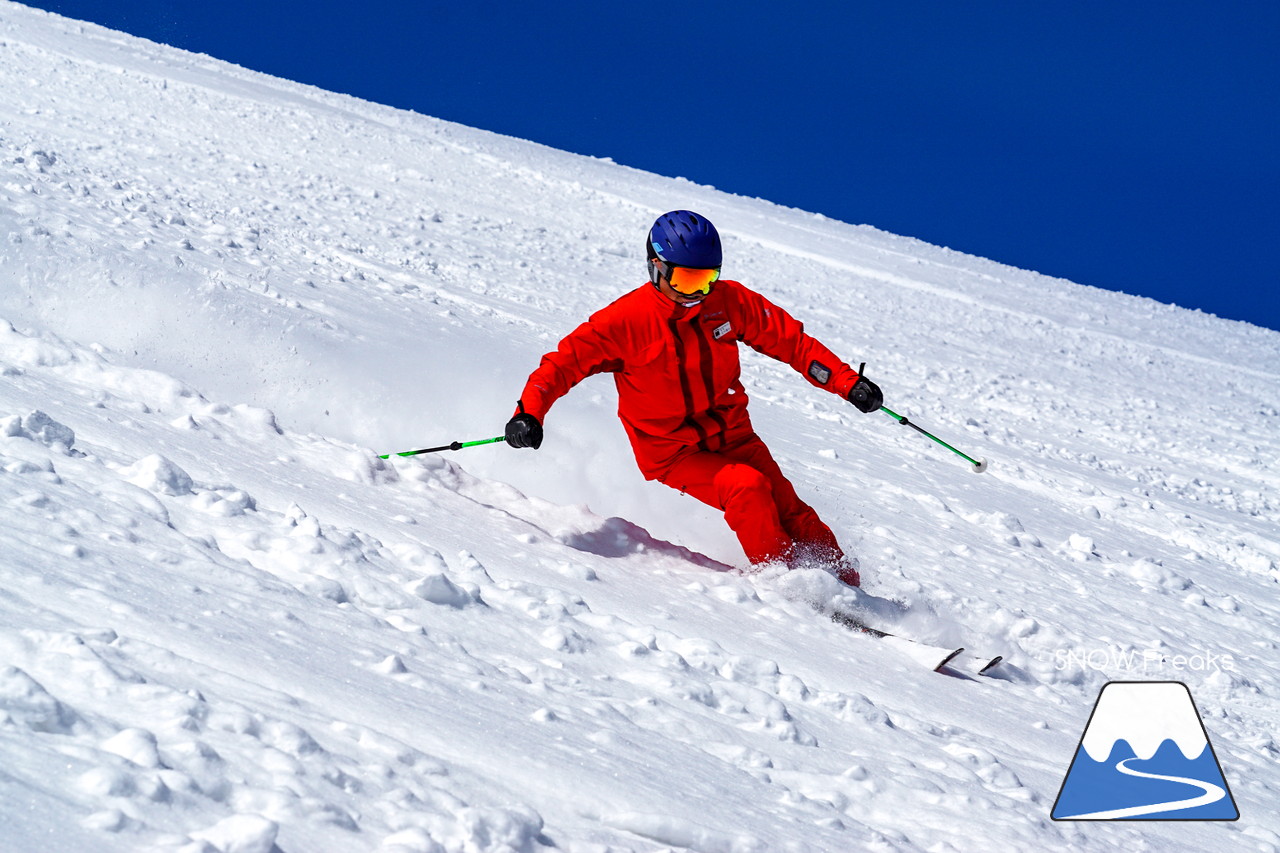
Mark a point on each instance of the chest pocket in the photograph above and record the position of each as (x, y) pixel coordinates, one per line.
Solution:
(654, 368)
(651, 355)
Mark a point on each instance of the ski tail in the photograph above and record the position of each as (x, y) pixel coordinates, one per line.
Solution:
(990, 665)
(948, 658)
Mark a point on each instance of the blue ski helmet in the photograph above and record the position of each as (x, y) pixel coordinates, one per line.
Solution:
(685, 239)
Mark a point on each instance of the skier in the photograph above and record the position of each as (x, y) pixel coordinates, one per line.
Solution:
(672, 347)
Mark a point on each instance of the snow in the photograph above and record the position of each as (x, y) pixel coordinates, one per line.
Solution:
(227, 625)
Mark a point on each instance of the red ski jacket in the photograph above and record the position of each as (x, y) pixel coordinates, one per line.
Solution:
(677, 369)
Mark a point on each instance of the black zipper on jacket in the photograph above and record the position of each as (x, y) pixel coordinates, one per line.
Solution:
(709, 378)
(707, 375)
(686, 390)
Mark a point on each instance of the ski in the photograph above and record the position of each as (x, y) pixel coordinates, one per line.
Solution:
(948, 659)
(936, 658)
(990, 665)
(922, 652)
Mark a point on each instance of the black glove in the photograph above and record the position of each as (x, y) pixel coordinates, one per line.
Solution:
(524, 431)
(864, 394)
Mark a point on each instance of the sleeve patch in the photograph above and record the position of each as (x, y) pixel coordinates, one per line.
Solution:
(820, 373)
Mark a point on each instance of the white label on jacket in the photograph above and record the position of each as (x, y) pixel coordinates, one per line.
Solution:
(721, 330)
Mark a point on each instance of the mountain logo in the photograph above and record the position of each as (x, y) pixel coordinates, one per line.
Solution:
(1145, 755)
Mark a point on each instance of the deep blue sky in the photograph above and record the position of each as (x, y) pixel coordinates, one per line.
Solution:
(1129, 145)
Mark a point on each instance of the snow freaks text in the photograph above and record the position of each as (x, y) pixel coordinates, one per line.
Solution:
(1142, 660)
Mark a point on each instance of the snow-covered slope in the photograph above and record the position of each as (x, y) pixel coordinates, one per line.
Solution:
(225, 624)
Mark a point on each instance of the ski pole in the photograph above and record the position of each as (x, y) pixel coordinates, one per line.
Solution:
(457, 445)
(979, 465)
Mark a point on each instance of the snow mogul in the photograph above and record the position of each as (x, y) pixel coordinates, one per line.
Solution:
(672, 347)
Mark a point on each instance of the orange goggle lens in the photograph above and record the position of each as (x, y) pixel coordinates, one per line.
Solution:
(691, 281)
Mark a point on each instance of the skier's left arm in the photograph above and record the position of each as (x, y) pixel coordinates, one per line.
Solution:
(769, 329)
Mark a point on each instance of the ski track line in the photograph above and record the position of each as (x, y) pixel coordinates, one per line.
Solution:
(964, 298)
(1212, 793)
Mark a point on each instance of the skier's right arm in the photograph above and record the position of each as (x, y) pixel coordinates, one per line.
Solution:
(585, 351)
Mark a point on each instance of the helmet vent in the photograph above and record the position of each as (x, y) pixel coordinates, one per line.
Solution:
(685, 238)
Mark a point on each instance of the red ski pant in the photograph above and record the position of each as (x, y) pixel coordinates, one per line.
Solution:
(759, 503)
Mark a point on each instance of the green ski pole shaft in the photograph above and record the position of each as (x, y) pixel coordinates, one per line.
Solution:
(979, 465)
(457, 445)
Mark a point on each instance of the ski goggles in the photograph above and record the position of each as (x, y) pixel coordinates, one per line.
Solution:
(689, 281)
